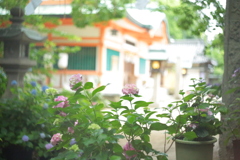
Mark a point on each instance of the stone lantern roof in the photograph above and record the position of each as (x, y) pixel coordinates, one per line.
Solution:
(17, 32)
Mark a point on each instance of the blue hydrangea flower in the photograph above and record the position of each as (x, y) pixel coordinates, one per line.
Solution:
(33, 83)
(30, 69)
(25, 138)
(45, 106)
(72, 141)
(44, 88)
(42, 135)
(48, 146)
(14, 83)
(33, 92)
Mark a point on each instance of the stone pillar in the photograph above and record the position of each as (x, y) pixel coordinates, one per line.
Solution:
(16, 40)
(231, 62)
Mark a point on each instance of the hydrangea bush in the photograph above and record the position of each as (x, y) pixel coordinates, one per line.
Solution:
(85, 129)
(18, 120)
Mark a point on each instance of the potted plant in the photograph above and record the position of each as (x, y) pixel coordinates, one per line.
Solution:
(193, 121)
(85, 129)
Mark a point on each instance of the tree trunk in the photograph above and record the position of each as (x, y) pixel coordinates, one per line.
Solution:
(231, 62)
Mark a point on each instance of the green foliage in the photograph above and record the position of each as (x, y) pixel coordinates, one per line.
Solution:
(19, 116)
(96, 128)
(84, 11)
(3, 82)
(215, 50)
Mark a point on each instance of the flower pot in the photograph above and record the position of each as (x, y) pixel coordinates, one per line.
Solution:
(236, 149)
(197, 150)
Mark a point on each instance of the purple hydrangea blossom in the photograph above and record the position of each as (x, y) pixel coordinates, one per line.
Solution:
(72, 141)
(25, 138)
(74, 79)
(130, 89)
(48, 146)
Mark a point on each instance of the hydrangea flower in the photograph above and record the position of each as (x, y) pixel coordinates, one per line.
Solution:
(63, 114)
(70, 130)
(34, 92)
(44, 88)
(14, 83)
(56, 138)
(207, 110)
(94, 126)
(62, 104)
(33, 83)
(42, 135)
(193, 125)
(74, 79)
(130, 89)
(51, 91)
(72, 141)
(45, 106)
(76, 122)
(128, 147)
(25, 138)
(48, 146)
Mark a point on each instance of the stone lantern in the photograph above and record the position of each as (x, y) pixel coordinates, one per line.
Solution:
(16, 40)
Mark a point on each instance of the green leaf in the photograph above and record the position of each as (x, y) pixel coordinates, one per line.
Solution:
(203, 105)
(88, 85)
(189, 136)
(117, 148)
(158, 126)
(127, 98)
(141, 104)
(131, 119)
(99, 89)
(188, 97)
(115, 158)
(77, 85)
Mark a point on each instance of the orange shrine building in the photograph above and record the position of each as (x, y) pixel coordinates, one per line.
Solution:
(116, 53)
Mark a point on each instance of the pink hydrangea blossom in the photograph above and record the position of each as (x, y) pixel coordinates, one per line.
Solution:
(193, 125)
(63, 114)
(70, 130)
(128, 147)
(76, 122)
(207, 110)
(130, 89)
(63, 103)
(74, 79)
(56, 138)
